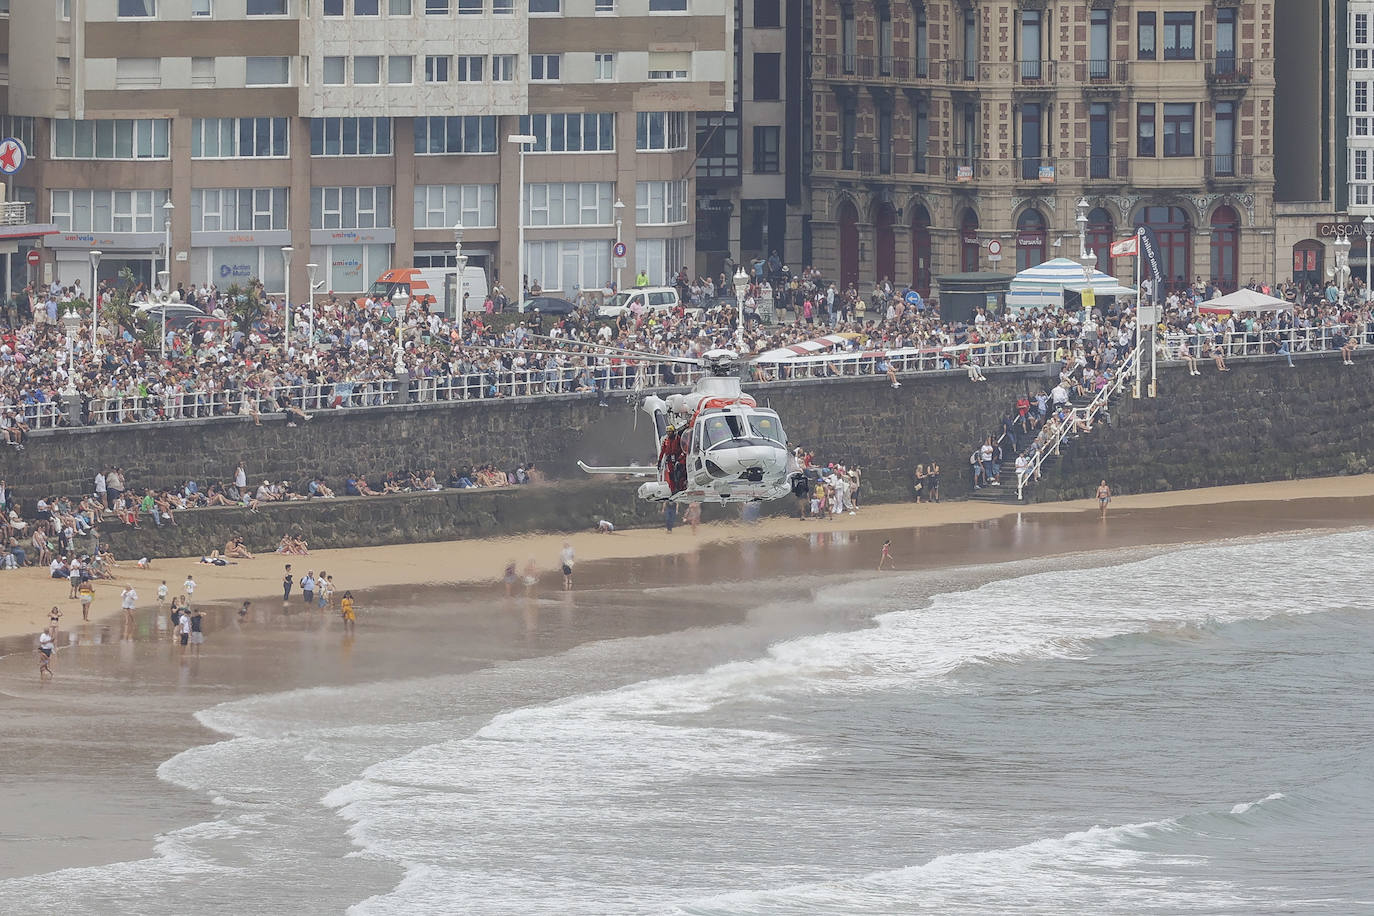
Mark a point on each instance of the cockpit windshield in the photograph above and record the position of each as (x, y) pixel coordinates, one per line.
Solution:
(380, 290)
(722, 428)
(768, 427)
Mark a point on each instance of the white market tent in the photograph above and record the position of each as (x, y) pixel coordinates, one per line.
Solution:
(1245, 300)
(1043, 286)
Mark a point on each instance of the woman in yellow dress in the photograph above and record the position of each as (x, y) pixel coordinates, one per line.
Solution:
(346, 610)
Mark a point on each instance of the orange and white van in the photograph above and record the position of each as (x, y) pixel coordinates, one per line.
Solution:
(433, 286)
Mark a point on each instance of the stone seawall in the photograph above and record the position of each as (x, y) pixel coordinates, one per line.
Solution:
(1261, 421)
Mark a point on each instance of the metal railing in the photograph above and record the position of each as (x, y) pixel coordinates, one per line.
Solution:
(1227, 71)
(14, 213)
(1078, 416)
(1263, 342)
(906, 360)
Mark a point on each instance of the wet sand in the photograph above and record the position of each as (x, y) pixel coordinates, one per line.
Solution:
(81, 752)
(27, 594)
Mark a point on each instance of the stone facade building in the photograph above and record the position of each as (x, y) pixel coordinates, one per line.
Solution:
(941, 125)
(360, 132)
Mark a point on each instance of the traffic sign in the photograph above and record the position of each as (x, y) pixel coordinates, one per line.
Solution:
(994, 248)
(619, 250)
(12, 156)
(34, 257)
(912, 297)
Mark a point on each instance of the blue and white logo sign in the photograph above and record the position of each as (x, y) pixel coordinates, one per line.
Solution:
(12, 156)
(912, 297)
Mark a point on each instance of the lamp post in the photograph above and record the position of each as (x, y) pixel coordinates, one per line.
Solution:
(1368, 236)
(164, 277)
(1342, 246)
(167, 208)
(95, 295)
(741, 287)
(460, 261)
(619, 206)
(1085, 257)
(523, 141)
(286, 298)
(311, 270)
(71, 321)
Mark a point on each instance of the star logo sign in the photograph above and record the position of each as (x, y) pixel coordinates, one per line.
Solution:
(9, 157)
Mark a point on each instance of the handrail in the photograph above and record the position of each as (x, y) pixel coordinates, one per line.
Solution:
(1085, 414)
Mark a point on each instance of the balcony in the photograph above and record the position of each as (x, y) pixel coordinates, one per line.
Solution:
(860, 68)
(1036, 170)
(1227, 169)
(1104, 165)
(1036, 72)
(961, 71)
(1093, 73)
(1228, 74)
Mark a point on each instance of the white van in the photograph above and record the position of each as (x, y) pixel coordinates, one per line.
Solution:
(649, 299)
(434, 285)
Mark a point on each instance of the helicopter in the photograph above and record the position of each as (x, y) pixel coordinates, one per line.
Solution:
(714, 443)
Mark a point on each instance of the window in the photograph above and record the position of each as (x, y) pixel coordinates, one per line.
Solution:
(1225, 45)
(350, 208)
(1099, 140)
(199, 9)
(545, 6)
(462, 134)
(267, 71)
(767, 150)
(333, 7)
(767, 77)
(667, 74)
(142, 138)
(717, 147)
(1360, 29)
(503, 67)
(400, 70)
(605, 66)
(849, 39)
(1224, 139)
(238, 138)
(544, 67)
(849, 131)
(367, 70)
(470, 68)
(970, 44)
(921, 45)
(1178, 129)
(1099, 43)
(1360, 95)
(140, 8)
(1359, 165)
(266, 7)
(442, 206)
(20, 127)
(436, 7)
(1030, 142)
(605, 6)
(469, 7)
(398, 8)
(569, 265)
(1145, 130)
(585, 203)
(238, 209)
(920, 145)
(436, 68)
(350, 137)
(335, 71)
(662, 203)
(660, 130)
(1030, 45)
(1145, 36)
(64, 8)
(1178, 36)
(137, 72)
(659, 258)
(667, 6)
(884, 40)
(366, 8)
(885, 139)
(85, 210)
(570, 133)
(202, 71)
(767, 14)
(503, 7)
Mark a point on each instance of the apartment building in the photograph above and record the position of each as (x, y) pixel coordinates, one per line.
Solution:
(941, 125)
(750, 198)
(360, 133)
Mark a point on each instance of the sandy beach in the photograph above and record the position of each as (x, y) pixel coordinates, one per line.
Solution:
(29, 593)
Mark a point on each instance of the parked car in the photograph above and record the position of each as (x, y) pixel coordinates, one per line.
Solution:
(548, 305)
(179, 316)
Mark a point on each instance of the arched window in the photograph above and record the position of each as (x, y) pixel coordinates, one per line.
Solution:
(1225, 246)
(1099, 237)
(969, 253)
(1173, 237)
(1309, 263)
(1030, 240)
(920, 250)
(849, 245)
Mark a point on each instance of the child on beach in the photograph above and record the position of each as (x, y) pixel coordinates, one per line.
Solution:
(190, 586)
(509, 578)
(346, 611)
(162, 595)
(54, 616)
(566, 559)
(44, 655)
(86, 592)
(197, 629)
(531, 576)
(886, 559)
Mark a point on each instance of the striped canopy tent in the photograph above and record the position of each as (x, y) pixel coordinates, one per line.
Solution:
(815, 347)
(1043, 286)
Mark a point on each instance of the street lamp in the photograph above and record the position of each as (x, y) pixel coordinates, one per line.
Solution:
(619, 205)
(741, 287)
(311, 270)
(72, 322)
(1342, 246)
(286, 298)
(523, 141)
(1368, 235)
(167, 209)
(460, 261)
(1085, 257)
(95, 295)
(164, 277)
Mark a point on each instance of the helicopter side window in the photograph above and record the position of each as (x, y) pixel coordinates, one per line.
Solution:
(767, 427)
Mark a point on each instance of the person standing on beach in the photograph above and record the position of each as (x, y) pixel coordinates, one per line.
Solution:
(308, 588)
(509, 577)
(74, 576)
(669, 515)
(190, 587)
(1104, 497)
(183, 630)
(694, 517)
(566, 560)
(54, 616)
(127, 600)
(243, 611)
(531, 576)
(161, 596)
(44, 655)
(197, 629)
(286, 582)
(885, 559)
(349, 615)
(86, 592)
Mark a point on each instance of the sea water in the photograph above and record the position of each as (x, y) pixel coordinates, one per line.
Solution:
(1185, 733)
